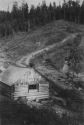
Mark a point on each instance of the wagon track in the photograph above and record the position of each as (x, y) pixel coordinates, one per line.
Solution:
(24, 61)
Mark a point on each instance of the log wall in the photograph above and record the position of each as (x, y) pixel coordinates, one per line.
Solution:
(22, 90)
(5, 91)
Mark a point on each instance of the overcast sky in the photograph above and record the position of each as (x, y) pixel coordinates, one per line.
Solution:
(5, 3)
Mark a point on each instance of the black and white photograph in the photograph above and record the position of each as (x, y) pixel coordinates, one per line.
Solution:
(41, 62)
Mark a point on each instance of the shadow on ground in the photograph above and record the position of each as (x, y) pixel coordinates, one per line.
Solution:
(12, 113)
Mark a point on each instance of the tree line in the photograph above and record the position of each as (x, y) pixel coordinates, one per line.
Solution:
(21, 18)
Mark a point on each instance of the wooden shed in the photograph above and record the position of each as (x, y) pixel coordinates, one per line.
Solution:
(32, 87)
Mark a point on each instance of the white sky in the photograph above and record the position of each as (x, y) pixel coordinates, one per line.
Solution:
(5, 3)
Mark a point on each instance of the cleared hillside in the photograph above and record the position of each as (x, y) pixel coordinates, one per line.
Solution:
(21, 44)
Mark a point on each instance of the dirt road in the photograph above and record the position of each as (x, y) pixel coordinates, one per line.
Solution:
(24, 61)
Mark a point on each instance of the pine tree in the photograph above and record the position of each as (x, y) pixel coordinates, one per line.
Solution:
(82, 13)
(32, 16)
(44, 14)
(15, 10)
(64, 6)
(25, 16)
(54, 10)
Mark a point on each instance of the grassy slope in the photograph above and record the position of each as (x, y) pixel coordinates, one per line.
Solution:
(23, 43)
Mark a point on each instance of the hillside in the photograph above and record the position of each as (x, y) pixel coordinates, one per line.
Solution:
(21, 44)
(47, 42)
(15, 49)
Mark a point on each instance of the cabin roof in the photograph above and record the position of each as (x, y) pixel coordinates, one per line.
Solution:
(12, 74)
(4, 84)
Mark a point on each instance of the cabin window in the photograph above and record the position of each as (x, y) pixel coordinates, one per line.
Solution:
(17, 84)
(33, 87)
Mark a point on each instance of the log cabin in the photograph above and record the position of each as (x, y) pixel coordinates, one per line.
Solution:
(31, 87)
(25, 83)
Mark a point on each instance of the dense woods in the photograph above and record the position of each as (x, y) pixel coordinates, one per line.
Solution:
(21, 18)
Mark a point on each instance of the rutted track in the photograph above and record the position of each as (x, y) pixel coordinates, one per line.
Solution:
(24, 61)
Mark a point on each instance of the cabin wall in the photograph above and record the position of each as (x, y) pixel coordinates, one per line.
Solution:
(22, 90)
(5, 91)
